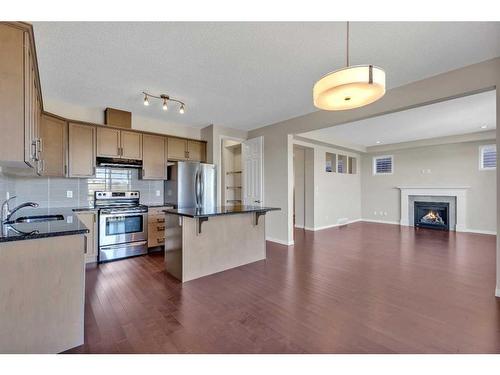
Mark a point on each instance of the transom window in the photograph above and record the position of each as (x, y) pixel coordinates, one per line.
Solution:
(383, 164)
(487, 157)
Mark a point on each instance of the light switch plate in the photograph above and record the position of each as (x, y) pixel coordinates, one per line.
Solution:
(69, 193)
(158, 193)
(69, 219)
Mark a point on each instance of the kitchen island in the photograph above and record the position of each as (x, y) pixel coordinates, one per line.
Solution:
(201, 242)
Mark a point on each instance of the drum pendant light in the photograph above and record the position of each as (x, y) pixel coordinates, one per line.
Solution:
(349, 87)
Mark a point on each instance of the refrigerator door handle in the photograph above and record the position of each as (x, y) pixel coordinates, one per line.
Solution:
(197, 189)
(202, 188)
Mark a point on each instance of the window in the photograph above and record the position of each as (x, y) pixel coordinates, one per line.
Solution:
(352, 165)
(487, 157)
(383, 164)
(330, 162)
(341, 163)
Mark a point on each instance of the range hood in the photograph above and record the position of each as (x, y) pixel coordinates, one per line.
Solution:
(118, 163)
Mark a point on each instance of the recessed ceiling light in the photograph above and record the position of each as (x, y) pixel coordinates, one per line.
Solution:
(378, 142)
(484, 126)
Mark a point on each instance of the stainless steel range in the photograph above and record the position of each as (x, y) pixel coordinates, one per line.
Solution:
(123, 225)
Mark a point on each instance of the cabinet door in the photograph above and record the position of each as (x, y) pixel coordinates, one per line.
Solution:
(29, 105)
(108, 143)
(81, 147)
(131, 145)
(53, 141)
(196, 151)
(89, 220)
(153, 158)
(177, 149)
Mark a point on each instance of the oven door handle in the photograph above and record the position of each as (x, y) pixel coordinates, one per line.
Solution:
(123, 213)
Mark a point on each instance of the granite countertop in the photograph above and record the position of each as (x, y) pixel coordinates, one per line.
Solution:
(28, 231)
(220, 210)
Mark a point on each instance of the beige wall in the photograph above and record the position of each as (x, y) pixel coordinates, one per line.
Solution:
(444, 165)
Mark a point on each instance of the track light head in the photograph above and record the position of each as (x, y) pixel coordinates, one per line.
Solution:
(146, 100)
(182, 110)
(165, 105)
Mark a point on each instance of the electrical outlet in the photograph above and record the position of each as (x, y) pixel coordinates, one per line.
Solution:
(69, 193)
(375, 213)
(158, 193)
(69, 219)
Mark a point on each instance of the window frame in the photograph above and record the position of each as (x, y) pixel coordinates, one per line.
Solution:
(481, 157)
(374, 165)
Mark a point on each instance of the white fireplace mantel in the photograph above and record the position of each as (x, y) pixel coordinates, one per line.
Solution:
(459, 192)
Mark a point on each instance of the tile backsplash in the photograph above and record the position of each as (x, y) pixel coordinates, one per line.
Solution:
(78, 192)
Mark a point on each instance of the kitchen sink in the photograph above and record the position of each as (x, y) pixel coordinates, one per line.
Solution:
(36, 219)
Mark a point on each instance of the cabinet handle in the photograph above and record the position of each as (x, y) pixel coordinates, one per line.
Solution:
(160, 228)
(160, 220)
(85, 244)
(40, 142)
(33, 150)
(43, 165)
(160, 240)
(65, 170)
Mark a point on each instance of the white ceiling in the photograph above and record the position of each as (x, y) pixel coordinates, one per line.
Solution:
(241, 75)
(453, 117)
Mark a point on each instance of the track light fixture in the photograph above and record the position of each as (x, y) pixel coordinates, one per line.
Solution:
(165, 98)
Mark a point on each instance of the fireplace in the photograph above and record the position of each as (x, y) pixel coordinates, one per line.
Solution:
(432, 215)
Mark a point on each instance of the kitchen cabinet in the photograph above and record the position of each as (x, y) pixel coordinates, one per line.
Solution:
(53, 146)
(156, 226)
(20, 98)
(177, 149)
(89, 219)
(131, 145)
(184, 149)
(154, 164)
(108, 142)
(114, 143)
(196, 150)
(81, 150)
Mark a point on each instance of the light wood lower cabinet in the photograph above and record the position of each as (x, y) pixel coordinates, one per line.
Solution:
(154, 165)
(42, 290)
(89, 219)
(53, 145)
(156, 226)
(81, 146)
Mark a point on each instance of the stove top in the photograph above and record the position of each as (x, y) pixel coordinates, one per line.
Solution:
(117, 200)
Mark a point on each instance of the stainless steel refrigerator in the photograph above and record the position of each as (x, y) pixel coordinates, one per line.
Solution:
(191, 185)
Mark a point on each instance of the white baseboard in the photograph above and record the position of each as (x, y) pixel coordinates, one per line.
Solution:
(468, 230)
(497, 292)
(281, 242)
(333, 225)
(381, 221)
(492, 232)
(298, 226)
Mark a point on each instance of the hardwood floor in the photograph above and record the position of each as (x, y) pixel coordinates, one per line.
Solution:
(364, 288)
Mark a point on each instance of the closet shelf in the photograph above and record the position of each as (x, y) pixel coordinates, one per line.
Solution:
(233, 172)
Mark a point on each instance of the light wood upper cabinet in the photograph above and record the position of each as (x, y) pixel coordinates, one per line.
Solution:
(177, 149)
(114, 143)
(196, 151)
(153, 159)
(81, 146)
(131, 145)
(108, 142)
(20, 98)
(53, 145)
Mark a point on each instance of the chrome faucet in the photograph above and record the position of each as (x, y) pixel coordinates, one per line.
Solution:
(7, 213)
